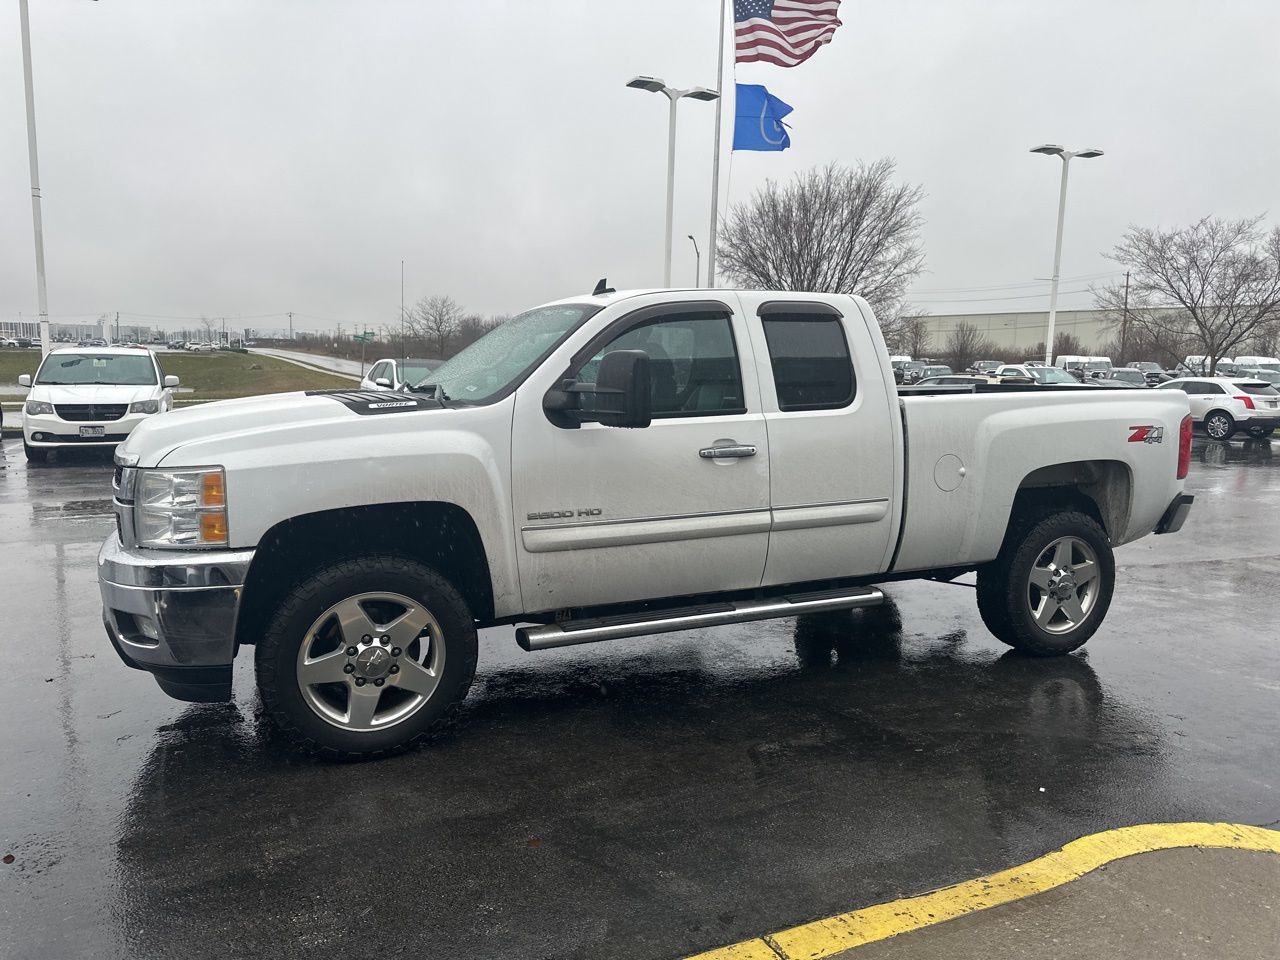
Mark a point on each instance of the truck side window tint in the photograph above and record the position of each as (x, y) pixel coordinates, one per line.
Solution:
(810, 358)
(693, 365)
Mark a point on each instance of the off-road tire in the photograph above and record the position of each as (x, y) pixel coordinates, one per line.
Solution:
(276, 654)
(1003, 584)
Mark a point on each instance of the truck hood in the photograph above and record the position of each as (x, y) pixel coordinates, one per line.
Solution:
(257, 422)
(93, 393)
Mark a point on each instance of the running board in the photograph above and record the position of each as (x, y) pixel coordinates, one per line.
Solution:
(570, 632)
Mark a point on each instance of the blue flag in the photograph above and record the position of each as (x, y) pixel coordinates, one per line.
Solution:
(758, 122)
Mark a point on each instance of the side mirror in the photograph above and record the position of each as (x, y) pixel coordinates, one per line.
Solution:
(382, 382)
(170, 382)
(24, 380)
(620, 397)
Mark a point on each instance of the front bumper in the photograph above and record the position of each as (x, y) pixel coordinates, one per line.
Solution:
(174, 614)
(49, 430)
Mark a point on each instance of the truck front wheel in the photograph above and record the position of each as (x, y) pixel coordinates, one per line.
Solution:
(1050, 587)
(366, 657)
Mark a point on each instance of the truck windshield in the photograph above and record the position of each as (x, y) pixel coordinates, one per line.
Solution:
(501, 359)
(68, 369)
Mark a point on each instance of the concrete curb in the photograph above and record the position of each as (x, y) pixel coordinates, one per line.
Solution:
(833, 935)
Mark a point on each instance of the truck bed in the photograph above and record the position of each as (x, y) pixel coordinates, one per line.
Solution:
(970, 449)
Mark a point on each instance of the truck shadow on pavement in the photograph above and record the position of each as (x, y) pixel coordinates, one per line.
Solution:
(642, 802)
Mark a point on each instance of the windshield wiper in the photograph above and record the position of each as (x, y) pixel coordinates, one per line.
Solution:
(433, 390)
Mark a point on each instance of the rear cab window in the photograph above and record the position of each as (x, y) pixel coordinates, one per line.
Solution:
(809, 356)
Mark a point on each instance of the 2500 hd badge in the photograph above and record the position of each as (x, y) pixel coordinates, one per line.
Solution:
(565, 514)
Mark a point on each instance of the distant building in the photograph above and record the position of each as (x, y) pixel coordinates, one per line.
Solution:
(1024, 329)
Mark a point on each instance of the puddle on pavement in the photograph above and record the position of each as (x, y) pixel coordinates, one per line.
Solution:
(72, 510)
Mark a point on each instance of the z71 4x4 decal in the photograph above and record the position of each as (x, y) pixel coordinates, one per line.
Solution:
(1148, 434)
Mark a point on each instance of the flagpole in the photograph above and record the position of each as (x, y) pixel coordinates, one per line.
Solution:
(715, 160)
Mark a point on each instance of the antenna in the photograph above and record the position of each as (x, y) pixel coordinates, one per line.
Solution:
(602, 287)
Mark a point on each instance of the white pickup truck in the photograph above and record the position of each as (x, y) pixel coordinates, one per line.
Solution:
(609, 466)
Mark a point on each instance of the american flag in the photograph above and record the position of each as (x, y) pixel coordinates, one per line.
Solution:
(783, 32)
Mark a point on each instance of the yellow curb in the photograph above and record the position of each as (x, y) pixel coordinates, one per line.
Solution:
(825, 938)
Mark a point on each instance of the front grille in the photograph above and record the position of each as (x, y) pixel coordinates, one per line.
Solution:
(91, 411)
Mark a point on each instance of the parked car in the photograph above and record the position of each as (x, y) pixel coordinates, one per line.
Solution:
(1154, 373)
(1122, 377)
(1253, 362)
(913, 370)
(1223, 405)
(397, 374)
(1083, 367)
(1039, 375)
(986, 367)
(936, 370)
(602, 467)
(201, 347)
(91, 397)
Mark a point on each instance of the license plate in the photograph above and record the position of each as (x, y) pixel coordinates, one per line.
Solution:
(93, 431)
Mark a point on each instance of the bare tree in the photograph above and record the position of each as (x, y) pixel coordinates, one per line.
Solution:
(435, 319)
(474, 326)
(1215, 283)
(1064, 344)
(913, 337)
(966, 344)
(833, 229)
(208, 327)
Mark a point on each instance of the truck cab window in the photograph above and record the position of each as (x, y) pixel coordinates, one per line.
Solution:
(693, 365)
(810, 359)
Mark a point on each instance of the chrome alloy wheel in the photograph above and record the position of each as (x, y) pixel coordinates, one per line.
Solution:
(371, 661)
(1063, 586)
(1216, 426)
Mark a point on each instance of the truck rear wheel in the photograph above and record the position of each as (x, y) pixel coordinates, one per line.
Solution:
(1049, 589)
(367, 657)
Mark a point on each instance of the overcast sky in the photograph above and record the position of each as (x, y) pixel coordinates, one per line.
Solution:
(247, 157)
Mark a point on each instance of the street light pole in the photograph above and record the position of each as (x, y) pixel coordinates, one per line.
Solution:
(697, 262)
(654, 85)
(1051, 149)
(36, 219)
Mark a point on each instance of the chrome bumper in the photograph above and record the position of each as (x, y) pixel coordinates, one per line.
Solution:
(174, 614)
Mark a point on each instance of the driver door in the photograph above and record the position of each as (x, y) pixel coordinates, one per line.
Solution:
(607, 515)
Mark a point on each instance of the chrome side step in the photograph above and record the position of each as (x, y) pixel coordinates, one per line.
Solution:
(570, 632)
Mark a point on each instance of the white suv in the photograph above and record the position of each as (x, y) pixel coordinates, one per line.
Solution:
(1227, 404)
(91, 396)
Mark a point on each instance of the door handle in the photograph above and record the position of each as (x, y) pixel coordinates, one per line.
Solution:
(728, 451)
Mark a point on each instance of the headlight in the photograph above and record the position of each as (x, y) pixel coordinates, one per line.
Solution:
(145, 406)
(181, 508)
(38, 407)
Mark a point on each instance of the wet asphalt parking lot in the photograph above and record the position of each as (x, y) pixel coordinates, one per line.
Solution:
(641, 799)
